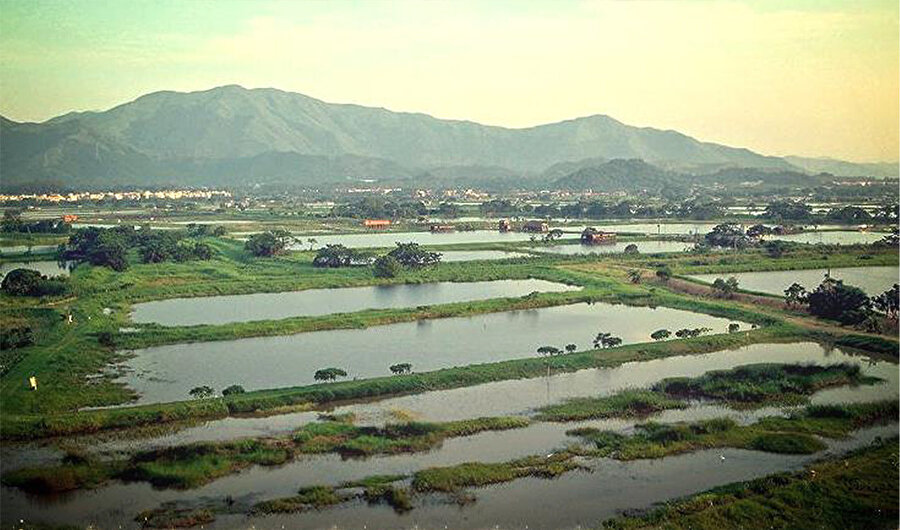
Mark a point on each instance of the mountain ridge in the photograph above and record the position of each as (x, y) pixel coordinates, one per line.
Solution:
(159, 134)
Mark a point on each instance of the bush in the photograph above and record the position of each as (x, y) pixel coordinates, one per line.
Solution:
(387, 267)
(232, 390)
(834, 300)
(27, 282)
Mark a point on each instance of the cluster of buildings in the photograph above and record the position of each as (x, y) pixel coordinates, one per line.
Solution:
(116, 195)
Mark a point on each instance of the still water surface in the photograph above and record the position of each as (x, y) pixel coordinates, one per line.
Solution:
(314, 302)
(872, 280)
(167, 373)
(45, 267)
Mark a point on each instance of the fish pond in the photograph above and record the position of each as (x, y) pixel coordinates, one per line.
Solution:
(167, 373)
(314, 302)
(872, 280)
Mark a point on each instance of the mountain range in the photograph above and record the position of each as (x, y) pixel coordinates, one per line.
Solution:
(230, 136)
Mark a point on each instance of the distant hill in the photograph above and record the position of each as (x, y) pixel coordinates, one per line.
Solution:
(619, 175)
(231, 135)
(840, 168)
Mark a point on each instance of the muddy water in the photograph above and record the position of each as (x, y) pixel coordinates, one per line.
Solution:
(167, 373)
(316, 302)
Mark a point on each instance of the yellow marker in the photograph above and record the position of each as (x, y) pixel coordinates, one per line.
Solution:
(33, 381)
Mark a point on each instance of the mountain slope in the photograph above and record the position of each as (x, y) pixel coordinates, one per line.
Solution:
(227, 134)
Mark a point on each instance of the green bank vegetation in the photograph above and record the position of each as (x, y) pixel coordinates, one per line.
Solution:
(743, 386)
(791, 435)
(857, 490)
(193, 465)
(795, 434)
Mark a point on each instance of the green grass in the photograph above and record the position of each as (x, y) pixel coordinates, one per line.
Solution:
(190, 466)
(857, 490)
(625, 404)
(792, 435)
(763, 383)
(475, 474)
(749, 385)
(312, 498)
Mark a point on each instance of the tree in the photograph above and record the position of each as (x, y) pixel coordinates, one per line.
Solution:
(22, 282)
(606, 340)
(845, 303)
(727, 236)
(775, 249)
(548, 352)
(795, 295)
(412, 256)
(233, 390)
(757, 231)
(27, 282)
(201, 392)
(888, 301)
(734, 327)
(401, 368)
(664, 273)
(631, 248)
(634, 275)
(570, 348)
(788, 210)
(329, 374)
(269, 243)
(333, 256)
(725, 288)
(661, 334)
(386, 267)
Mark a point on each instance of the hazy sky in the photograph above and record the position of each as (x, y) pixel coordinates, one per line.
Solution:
(811, 77)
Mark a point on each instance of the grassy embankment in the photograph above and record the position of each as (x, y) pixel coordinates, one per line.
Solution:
(793, 435)
(195, 464)
(856, 490)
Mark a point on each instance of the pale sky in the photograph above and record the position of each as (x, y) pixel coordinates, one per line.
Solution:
(814, 78)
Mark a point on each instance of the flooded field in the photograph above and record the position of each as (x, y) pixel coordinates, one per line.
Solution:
(21, 249)
(473, 255)
(837, 237)
(167, 373)
(311, 302)
(389, 239)
(644, 247)
(45, 267)
(872, 280)
(645, 228)
(520, 396)
(610, 486)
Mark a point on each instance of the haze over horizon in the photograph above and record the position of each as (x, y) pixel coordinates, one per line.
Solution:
(809, 79)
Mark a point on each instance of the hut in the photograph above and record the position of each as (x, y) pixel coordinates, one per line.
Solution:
(443, 228)
(377, 223)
